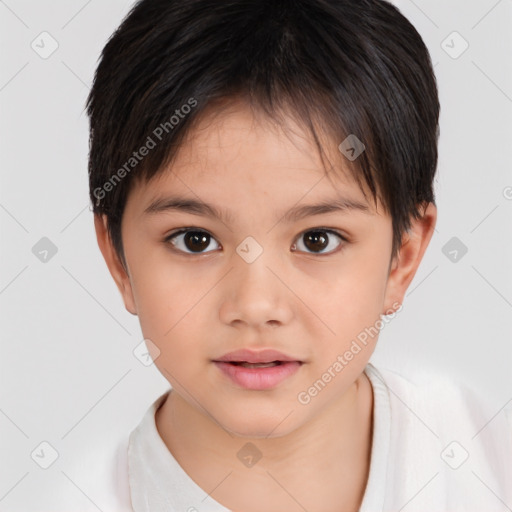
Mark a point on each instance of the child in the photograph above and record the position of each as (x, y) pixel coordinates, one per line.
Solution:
(294, 143)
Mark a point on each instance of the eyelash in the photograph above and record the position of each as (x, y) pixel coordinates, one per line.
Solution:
(168, 240)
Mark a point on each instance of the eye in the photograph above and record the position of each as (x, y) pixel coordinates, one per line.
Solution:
(316, 240)
(190, 241)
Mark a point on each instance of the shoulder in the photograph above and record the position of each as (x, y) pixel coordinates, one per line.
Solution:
(107, 473)
(94, 478)
(448, 439)
(446, 403)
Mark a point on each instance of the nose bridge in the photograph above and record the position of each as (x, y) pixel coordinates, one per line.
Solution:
(251, 261)
(256, 295)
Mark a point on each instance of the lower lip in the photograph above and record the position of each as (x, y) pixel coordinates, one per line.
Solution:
(258, 378)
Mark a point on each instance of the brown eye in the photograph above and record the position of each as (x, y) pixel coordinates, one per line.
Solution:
(316, 241)
(191, 241)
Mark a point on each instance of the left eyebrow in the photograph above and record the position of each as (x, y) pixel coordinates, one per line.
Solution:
(196, 207)
(341, 205)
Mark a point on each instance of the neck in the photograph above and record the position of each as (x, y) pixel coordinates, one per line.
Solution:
(322, 465)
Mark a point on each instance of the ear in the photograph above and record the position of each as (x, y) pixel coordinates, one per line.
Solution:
(406, 262)
(116, 268)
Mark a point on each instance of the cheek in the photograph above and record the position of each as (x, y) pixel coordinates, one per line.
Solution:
(163, 294)
(350, 304)
(175, 311)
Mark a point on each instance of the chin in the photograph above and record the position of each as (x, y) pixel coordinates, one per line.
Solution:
(257, 425)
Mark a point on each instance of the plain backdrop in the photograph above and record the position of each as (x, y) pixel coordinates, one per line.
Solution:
(68, 371)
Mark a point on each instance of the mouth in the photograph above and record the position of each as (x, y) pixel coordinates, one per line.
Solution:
(265, 357)
(245, 364)
(257, 370)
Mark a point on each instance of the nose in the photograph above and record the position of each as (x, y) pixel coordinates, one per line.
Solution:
(255, 294)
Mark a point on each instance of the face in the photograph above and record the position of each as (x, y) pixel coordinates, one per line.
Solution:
(268, 273)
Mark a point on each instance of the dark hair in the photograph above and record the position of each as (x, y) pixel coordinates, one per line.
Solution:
(348, 66)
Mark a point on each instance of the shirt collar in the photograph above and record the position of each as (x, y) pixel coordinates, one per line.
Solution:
(159, 484)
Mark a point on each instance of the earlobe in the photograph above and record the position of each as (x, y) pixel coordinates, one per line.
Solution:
(115, 267)
(408, 259)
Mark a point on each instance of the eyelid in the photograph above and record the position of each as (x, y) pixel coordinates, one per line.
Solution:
(327, 230)
(180, 231)
(168, 237)
(331, 231)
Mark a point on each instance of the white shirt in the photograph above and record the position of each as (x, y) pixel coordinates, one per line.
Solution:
(435, 448)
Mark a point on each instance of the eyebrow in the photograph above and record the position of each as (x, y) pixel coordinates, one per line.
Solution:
(196, 207)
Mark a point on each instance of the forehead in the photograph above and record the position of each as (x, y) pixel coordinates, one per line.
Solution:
(235, 152)
(236, 132)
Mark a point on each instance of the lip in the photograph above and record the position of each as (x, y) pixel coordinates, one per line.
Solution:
(257, 378)
(251, 356)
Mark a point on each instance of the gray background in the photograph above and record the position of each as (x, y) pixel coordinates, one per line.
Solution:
(68, 372)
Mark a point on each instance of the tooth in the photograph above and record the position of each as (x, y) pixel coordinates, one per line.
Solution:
(260, 365)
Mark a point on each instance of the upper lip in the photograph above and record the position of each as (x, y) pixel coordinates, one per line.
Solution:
(251, 356)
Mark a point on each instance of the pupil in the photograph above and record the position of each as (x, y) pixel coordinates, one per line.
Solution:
(196, 240)
(316, 240)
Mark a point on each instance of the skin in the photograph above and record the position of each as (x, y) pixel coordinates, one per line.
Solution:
(309, 305)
